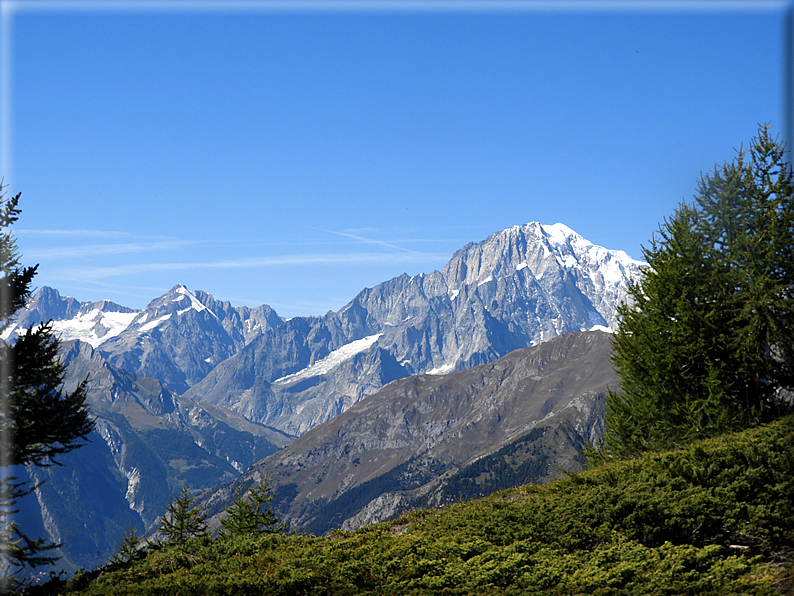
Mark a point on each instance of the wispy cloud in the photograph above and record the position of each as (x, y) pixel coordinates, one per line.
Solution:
(75, 252)
(355, 234)
(94, 273)
(90, 234)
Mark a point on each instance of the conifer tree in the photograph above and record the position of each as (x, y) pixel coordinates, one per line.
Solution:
(129, 549)
(706, 344)
(246, 516)
(182, 520)
(38, 421)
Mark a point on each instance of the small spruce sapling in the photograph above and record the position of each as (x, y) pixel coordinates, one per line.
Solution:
(246, 516)
(182, 520)
(129, 548)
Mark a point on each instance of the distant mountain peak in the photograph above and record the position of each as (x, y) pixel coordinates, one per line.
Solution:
(188, 300)
(538, 248)
(174, 303)
(560, 234)
(91, 322)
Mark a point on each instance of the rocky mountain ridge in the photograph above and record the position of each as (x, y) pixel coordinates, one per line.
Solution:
(517, 288)
(148, 441)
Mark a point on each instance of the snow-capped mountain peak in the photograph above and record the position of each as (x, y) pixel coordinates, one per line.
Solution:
(174, 303)
(558, 234)
(92, 322)
(187, 300)
(539, 250)
(614, 266)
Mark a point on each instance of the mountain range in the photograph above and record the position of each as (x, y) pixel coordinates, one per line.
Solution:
(194, 390)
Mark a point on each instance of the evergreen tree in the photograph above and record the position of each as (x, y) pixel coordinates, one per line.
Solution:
(246, 516)
(38, 421)
(182, 520)
(705, 342)
(670, 347)
(129, 549)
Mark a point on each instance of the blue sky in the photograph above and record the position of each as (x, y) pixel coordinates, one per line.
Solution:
(294, 153)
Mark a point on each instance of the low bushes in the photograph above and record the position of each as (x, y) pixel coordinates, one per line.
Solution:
(714, 518)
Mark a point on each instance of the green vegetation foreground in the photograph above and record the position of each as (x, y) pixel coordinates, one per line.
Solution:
(716, 517)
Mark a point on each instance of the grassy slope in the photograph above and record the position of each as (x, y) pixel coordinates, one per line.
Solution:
(661, 524)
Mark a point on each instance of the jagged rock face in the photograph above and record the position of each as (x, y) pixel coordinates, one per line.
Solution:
(560, 262)
(418, 441)
(181, 336)
(518, 288)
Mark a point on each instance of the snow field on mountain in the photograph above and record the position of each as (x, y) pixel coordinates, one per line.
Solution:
(152, 324)
(331, 361)
(93, 327)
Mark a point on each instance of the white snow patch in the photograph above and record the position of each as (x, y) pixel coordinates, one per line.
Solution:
(521, 266)
(93, 327)
(600, 328)
(485, 281)
(568, 261)
(558, 233)
(453, 294)
(152, 324)
(251, 325)
(613, 273)
(195, 304)
(442, 370)
(331, 361)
